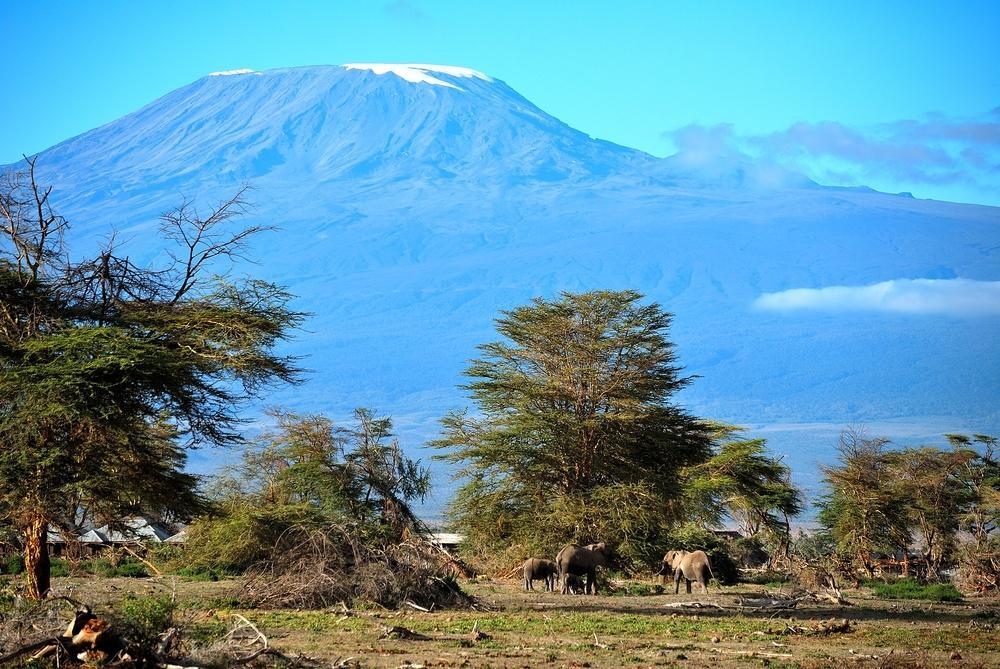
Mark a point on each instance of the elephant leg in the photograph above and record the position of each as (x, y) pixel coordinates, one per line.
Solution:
(677, 581)
(687, 582)
(565, 582)
(527, 584)
(592, 581)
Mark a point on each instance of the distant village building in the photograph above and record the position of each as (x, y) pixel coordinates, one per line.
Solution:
(131, 531)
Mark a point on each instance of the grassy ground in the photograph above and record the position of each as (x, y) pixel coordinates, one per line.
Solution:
(551, 630)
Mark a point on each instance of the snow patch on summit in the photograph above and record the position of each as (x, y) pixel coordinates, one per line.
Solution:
(229, 73)
(418, 74)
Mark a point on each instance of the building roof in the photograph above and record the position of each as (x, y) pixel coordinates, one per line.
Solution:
(135, 528)
(178, 538)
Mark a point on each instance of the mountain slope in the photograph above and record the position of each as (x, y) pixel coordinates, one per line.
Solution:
(415, 202)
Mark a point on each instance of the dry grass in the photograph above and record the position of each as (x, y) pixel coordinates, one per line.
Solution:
(551, 630)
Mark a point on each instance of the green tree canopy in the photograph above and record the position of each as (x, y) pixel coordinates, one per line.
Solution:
(354, 473)
(576, 435)
(864, 508)
(742, 481)
(109, 370)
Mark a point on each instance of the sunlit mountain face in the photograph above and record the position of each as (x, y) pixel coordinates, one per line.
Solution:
(415, 202)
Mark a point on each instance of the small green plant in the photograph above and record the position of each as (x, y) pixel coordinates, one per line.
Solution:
(636, 590)
(203, 573)
(142, 619)
(106, 568)
(908, 588)
(13, 564)
(765, 578)
(59, 567)
(131, 569)
(7, 599)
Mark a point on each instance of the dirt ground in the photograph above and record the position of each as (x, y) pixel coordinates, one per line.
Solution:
(540, 629)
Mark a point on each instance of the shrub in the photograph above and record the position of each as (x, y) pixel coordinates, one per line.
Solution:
(749, 552)
(109, 568)
(141, 620)
(318, 567)
(202, 573)
(767, 578)
(59, 567)
(235, 542)
(131, 569)
(14, 564)
(908, 588)
(979, 566)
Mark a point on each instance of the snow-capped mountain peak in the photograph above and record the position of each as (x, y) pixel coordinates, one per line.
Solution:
(411, 215)
(229, 73)
(419, 73)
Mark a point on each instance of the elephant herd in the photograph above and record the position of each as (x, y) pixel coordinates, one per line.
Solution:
(575, 562)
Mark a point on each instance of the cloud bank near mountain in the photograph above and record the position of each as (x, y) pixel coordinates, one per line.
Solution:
(931, 154)
(951, 297)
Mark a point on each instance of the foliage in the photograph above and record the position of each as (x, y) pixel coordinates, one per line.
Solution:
(936, 499)
(60, 568)
(743, 481)
(106, 567)
(864, 509)
(576, 437)
(878, 500)
(979, 560)
(908, 588)
(814, 545)
(979, 566)
(141, 620)
(13, 564)
(202, 573)
(749, 552)
(244, 536)
(355, 473)
(110, 369)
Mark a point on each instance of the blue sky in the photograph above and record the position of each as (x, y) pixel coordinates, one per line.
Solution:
(900, 96)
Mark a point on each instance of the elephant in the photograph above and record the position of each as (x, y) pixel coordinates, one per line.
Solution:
(691, 566)
(579, 560)
(536, 568)
(574, 584)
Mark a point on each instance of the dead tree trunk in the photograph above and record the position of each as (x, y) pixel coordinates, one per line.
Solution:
(36, 557)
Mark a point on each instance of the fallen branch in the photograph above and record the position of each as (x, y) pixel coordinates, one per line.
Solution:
(697, 605)
(397, 632)
(413, 605)
(831, 626)
(750, 653)
(779, 603)
(38, 646)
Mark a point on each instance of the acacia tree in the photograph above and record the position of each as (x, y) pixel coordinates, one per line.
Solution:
(980, 558)
(109, 370)
(576, 435)
(936, 499)
(356, 473)
(865, 508)
(742, 481)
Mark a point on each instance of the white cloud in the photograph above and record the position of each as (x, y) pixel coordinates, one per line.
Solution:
(953, 297)
(936, 155)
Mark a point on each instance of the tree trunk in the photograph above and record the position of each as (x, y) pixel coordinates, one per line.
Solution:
(36, 557)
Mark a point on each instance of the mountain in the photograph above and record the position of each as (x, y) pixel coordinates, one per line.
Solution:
(417, 201)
